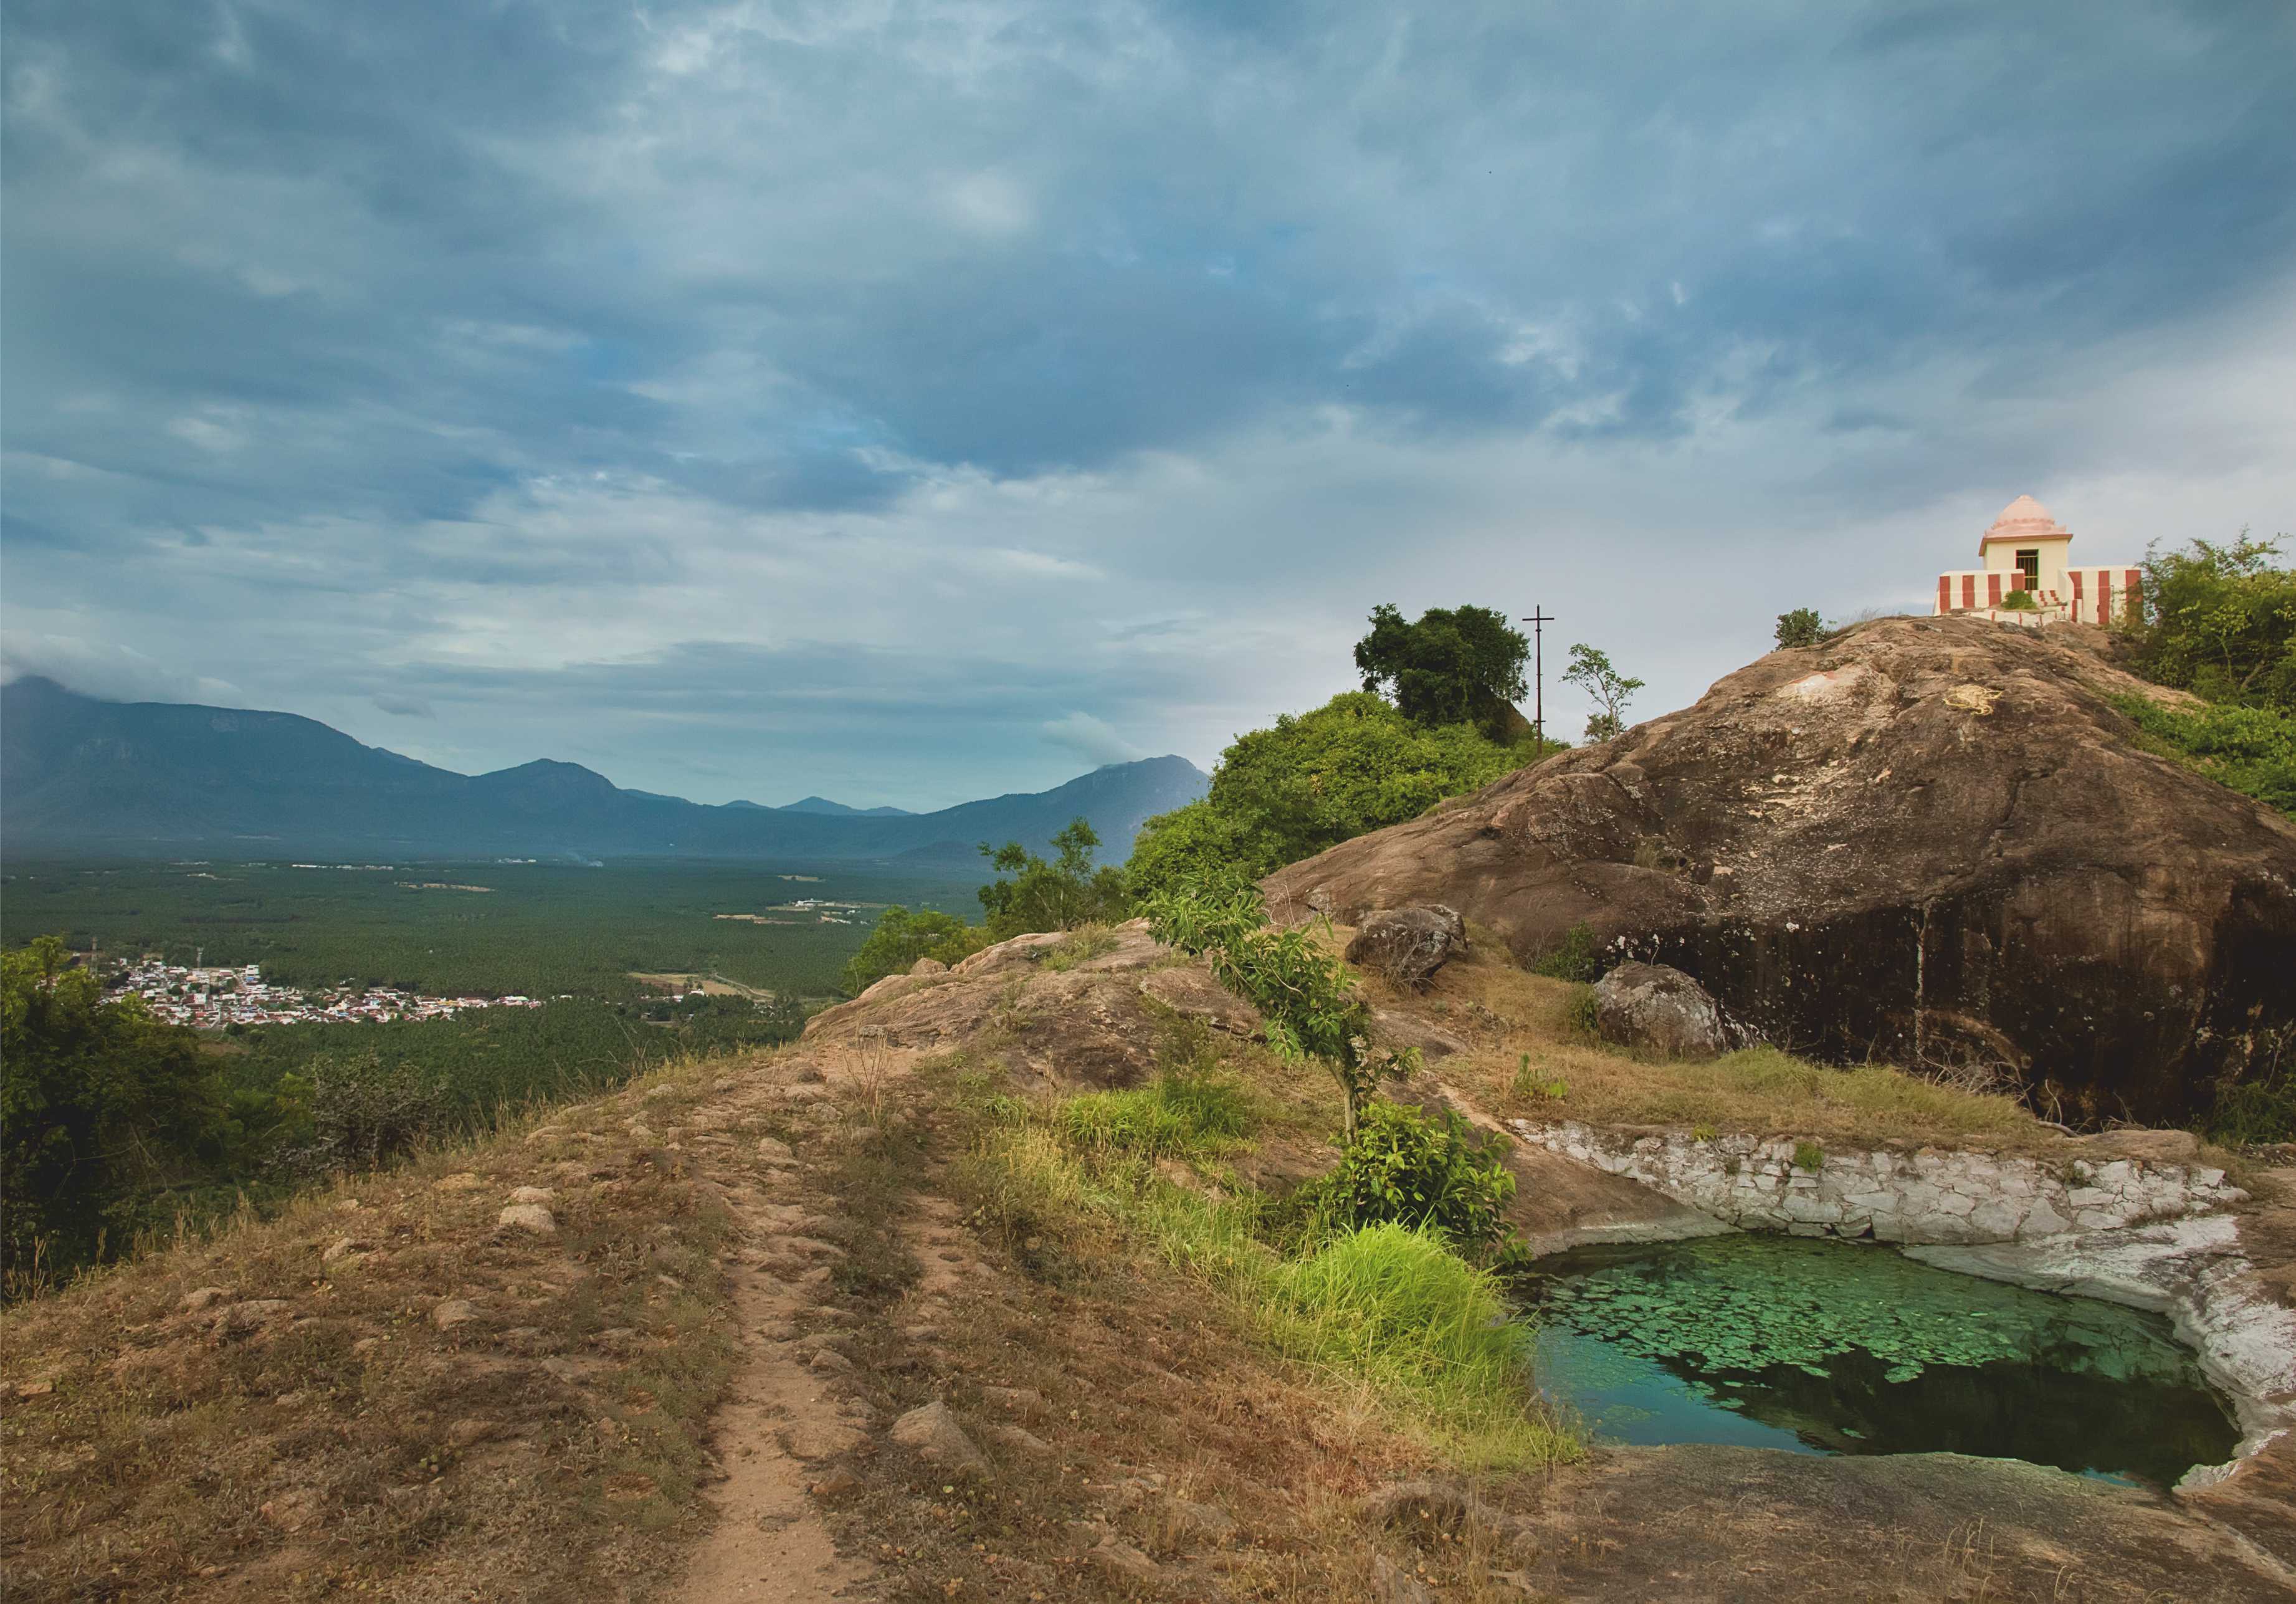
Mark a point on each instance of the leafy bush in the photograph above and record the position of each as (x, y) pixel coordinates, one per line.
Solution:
(1176, 1116)
(1801, 628)
(1059, 893)
(1404, 1169)
(1350, 766)
(2221, 621)
(902, 937)
(1577, 957)
(2251, 1112)
(1809, 1156)
(1308, 1006)
(2250, 749)
(99, 1104)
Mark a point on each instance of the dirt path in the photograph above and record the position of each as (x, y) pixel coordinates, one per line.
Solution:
(785, 1414)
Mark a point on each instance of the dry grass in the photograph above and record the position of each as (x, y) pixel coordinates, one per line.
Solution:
(313, 1431)
(1503, 1013)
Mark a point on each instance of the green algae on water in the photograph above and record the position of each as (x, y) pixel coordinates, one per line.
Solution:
(1838, 1347)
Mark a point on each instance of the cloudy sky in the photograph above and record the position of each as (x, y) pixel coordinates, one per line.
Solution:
(911, 402)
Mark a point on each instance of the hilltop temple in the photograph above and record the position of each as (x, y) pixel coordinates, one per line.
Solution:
(2028, 550)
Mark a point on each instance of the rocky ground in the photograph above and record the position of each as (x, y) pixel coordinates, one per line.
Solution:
(749, 1333)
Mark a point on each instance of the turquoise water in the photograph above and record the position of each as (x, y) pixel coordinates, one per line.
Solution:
(1838, 1347)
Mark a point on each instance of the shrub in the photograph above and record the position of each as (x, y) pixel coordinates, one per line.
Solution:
(2019, 601)
(1308, 1006)
(1801, 628)
(1809, 1156)
(1352, 766)
(902, 937)
(2254, 1111)
(1582, 1015)
(1576, 957)
(1535, 1087)
(1403, 1168)
(2253, 750)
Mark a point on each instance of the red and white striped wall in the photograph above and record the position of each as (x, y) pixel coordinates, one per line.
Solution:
(2096, 596)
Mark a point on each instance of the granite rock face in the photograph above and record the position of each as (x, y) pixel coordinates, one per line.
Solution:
(1925, 841)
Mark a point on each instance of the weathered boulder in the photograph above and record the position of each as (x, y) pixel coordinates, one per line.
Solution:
(1659, 1009)
(1927, 840)
(933, 1433)
(1408, 944)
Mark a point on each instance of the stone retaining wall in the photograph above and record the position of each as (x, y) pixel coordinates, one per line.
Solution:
(1930, 1195)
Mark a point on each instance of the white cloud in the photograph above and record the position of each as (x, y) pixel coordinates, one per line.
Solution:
(1092, 740)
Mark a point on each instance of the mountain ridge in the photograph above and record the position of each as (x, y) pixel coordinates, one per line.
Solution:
(80, 775)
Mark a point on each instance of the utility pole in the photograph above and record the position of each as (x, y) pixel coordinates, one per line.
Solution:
(1537, 621)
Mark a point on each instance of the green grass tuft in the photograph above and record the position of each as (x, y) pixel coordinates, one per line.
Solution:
(1175, 1117)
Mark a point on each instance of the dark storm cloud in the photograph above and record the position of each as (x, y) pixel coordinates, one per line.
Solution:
(427, 347)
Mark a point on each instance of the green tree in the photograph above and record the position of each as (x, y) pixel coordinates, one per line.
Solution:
(902, 937)
(1308, 1006)
(1456, 665)
(1059, 894)
(97, 1102)
(1591, 671)
(2221, 621)
(1802, 627)
(1354, 765)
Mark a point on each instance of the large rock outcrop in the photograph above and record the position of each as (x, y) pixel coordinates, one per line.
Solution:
(1927, 840)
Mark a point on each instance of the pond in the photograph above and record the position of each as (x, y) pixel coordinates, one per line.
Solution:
(1821, 1346)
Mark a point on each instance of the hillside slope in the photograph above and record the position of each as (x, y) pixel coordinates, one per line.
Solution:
(1927, 841)
(771, 1328)
(88, 777)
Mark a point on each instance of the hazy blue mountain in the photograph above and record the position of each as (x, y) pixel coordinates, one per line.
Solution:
(837, 810)
(152, 778)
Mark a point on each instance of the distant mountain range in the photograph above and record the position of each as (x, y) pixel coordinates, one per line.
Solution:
(80, 776)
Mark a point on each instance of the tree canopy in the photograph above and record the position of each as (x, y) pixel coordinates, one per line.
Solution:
(1056, 894)
(1354, 765)
(96, 1099)
(1456, 665)
(2221, 621)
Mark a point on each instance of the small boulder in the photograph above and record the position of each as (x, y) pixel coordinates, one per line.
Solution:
(454, 1312)
(1408, 944)
(345, 1248)
(203, 1297)
(1659, 1009)
(461, 1181)
(935, 1435)
(772, 1150)
(929, 965)
(528, 1217)
(533, 1195)
(1120, 1563)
